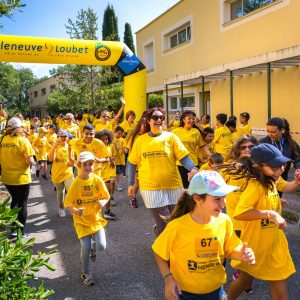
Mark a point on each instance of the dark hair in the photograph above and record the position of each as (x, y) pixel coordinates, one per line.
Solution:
(232, 118)
(230, 123)
(245, 168)
(245, 115)
(206, 116)
(149, 115)
(79, 117)
(222, 118)
(184, 205)
(53, 126)
(119, 128)
(216, 158)
(208, 130)
(136, 131)
(183, 115)
(88, 127)
(129, 113)
(234, 153)
(282, 123)
(105, 132)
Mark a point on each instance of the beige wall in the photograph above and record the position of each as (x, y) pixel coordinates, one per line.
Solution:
(266, 30)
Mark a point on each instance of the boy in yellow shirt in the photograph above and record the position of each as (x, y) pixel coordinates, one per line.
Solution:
(85, 199)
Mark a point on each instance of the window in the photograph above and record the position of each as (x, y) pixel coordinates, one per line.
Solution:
(149, 56)
(173, 103)
(43, 91)
(188, 102)
(52, 88)
(240, 8)
(35, 94)
(181, 36)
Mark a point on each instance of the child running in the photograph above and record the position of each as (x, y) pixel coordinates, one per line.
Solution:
(259, 208)
(85, 199)
(197, 240)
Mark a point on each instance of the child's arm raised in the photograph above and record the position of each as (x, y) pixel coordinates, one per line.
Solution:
(171, 285)
(75, 211)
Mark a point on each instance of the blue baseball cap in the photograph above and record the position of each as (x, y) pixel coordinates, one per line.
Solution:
(211, 183)
(269, 155)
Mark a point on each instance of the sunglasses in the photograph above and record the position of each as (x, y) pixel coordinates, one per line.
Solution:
(243, 148)
(275, 169)
(155, 117)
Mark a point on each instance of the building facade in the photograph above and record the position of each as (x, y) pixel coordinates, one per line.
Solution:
(38, 96)
(224, 56)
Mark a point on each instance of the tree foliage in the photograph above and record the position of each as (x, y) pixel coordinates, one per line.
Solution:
(155, 100)
(7, 8)
(18, 265)
(251, 5)
(14, 86)
(110, 30)
(128, 38)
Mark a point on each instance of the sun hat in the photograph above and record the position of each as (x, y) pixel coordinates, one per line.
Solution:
(209, 182)
(85, 156)
(42, 129)
(62, 132)
(269, 155)
(69, 115)
(14, 123)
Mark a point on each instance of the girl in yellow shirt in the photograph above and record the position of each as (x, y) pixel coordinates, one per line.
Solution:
(259, 208)
(197, 240)
(85, 199)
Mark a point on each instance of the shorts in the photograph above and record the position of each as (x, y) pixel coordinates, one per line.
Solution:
(120, 169)
(42, 161)
(214, 295)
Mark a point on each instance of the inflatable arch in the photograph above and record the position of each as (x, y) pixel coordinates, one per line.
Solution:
(82, 52)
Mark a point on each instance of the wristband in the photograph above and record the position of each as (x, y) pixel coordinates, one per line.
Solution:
(167, 275)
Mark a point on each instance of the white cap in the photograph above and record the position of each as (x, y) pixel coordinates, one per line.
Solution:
(85, 156)
(14, 123)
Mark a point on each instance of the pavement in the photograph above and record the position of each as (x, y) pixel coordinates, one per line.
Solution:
(126, 269)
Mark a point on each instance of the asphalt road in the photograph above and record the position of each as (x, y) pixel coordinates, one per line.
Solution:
(126, 269)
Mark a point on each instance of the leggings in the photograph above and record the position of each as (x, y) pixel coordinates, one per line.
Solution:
(60, 191)
(19, 196)
(160, 215)
(85, 242)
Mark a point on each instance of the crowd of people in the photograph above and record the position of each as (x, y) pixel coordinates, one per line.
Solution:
(214, 191)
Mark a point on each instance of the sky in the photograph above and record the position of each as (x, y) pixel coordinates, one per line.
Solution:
(47, 18)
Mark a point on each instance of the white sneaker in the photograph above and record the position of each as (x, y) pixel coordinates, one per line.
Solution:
(62, 213)
(119, 189)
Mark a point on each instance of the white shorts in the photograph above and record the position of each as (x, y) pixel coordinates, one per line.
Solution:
(160, 198)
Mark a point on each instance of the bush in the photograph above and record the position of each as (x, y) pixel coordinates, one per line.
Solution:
(18, 265)
(155, 100)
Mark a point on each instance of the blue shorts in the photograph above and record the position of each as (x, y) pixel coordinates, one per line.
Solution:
(214, 295)
(120, 169)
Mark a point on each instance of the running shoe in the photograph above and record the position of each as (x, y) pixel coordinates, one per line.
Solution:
(62, 213)
(87, 279)
(113, 201)
(133, 202)
(109, 215)
(248, 291)
(45, 177)
(119, 189)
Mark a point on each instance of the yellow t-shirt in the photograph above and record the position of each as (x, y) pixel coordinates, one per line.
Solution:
(107, 171)
(157, 157)
(127, 126)
(108, 126)
(206, 166)
(120, 154)
(31, 137)
(97, 147)
(223, 141)
(41, 144)
(244, 130)
(96, 122)
(51, 138)
(14, 151)
(269, 244)
(192, 140)
(175, 125)
(72, 128)
(81, 124)
(233, 198)
(196, 252)
(86, 194)
(61, 170)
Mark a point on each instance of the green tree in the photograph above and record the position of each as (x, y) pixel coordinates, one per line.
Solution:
(7, 8)
(110, 30)
(155, 100)
(128, 38)
(14, 85)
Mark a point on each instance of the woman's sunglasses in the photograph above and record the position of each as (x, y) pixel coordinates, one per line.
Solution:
(243, 148)
(155, 117)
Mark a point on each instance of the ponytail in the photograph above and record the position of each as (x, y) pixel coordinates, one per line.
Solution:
(287, 135)
(184, 205)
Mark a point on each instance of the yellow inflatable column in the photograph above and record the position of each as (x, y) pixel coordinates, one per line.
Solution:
(134, 92)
